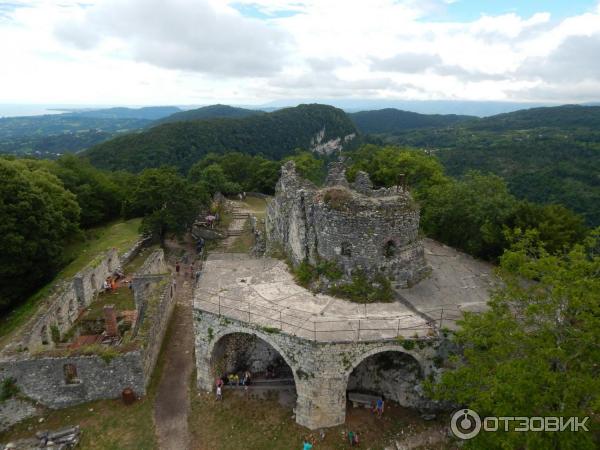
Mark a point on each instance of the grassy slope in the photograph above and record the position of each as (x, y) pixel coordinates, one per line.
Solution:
(120, 235)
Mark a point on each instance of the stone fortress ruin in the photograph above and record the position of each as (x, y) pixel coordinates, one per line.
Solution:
(80, 346)
(373, 231)
(250, 314)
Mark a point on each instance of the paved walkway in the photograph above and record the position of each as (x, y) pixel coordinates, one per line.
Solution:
(172, 402)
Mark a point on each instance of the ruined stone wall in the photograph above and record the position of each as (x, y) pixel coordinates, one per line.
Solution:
(104, 374)
(147, 276)
(43, 379)
(154, 324)
(63, 306)
(373, 231)
(321, 370)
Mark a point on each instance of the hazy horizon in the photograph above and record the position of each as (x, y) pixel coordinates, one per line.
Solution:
(476, 108)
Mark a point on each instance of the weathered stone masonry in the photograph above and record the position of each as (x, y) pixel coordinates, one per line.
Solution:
(374, 231)
(43, 376)
(321, 370)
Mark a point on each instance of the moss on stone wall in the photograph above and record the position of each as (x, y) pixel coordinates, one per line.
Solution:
(363, 290)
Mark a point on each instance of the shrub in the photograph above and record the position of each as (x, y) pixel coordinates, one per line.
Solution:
(8, 389)
(363, 290)
(305, 273)
(337, 198)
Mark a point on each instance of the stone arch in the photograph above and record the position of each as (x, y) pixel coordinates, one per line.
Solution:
(263, 336)
(382, 349)
(389, 371)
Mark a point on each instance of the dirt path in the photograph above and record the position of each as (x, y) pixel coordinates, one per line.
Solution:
(172, 403)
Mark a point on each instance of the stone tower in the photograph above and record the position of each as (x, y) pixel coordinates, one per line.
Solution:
(360, 228)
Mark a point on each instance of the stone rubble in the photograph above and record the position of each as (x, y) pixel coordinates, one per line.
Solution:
(63, 439)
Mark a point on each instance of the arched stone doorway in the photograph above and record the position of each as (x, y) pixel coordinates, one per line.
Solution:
(237, 352)
(390, 373)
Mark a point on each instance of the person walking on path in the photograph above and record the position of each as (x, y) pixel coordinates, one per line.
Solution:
(177, 267)
(219, 393)
(379, 407)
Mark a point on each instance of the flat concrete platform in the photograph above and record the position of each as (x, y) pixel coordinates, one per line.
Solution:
(263, 292)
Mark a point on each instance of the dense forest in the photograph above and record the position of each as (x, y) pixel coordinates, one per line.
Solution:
(50, 136)
(55, 199)
(546, 155)
(392, 120)
(181, 144)
(209, 112)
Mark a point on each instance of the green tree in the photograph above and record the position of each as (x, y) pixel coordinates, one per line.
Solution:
(248, 173)
(38, 215)
(99, 197)
(168, 202)
(385, 164)
(558, 227)
(535, 352)
(309, 166)
(213, 179)
(469, 214)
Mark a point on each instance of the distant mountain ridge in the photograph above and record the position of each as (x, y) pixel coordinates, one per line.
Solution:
(390, 120)
(565, 116)
(146, 113)
(217, 111)
(181, 144)
(547, 155)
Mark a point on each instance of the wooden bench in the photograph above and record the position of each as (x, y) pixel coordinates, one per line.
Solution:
(363, 399)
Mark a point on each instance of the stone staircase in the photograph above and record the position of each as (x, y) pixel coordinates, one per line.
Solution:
(238, 222)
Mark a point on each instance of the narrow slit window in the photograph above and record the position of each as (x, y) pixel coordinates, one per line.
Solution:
(389, 249)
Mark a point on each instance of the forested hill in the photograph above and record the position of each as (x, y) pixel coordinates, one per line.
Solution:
(547, 155)
(392, 120)
(209, 112)
(563, 117)
(181, 144)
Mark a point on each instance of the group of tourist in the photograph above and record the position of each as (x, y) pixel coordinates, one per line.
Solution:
(233, 379)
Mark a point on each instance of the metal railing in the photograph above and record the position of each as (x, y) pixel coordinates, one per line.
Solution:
(275, 318)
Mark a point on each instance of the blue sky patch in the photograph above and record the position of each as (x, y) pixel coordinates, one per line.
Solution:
(255, 12)
(469, 10)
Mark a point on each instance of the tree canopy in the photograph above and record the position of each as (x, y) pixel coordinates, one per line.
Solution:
(38, 215)
(535, 352)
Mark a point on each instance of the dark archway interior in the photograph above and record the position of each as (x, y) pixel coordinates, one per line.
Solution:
(392, 375)
(237, 352)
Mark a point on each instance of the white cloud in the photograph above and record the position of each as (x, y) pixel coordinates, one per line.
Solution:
(202, 51)
(182, 34)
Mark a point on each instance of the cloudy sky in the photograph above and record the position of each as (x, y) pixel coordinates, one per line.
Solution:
(141, 52)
